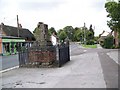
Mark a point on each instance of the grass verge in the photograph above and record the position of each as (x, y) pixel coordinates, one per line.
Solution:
(90, 46)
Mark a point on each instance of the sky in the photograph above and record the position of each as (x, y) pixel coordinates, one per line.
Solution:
(55, 13)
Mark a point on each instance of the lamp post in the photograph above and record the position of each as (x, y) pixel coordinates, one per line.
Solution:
(84, 35)
(18, 25)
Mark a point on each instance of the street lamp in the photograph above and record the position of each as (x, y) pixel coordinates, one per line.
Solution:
(84, 35)
(18, 25)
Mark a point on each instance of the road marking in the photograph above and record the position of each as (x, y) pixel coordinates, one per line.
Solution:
(2, 71)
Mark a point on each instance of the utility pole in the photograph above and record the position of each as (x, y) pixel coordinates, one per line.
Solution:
(18, 25)
(84, 35)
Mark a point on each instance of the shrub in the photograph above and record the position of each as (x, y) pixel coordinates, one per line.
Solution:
(90, 42)
(108, 42)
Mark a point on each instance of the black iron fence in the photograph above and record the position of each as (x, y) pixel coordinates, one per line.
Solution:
(37, 56)
(23, 57)
(63, 53)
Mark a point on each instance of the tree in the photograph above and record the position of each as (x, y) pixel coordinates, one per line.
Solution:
(36, 33)
(91, 36)
(113, 9)
(69, 30)
(62, 35)
(51, 30)
(79, 35)
(108, 42)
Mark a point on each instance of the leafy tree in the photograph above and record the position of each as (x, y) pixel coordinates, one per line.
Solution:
(51, 30)
(79, 34)
(108, 42)
(62, 35)
(36, 33)
(113, 9)
(76, 28)
(91, 35)
(83, 32)
(69, 30)
(96, 39)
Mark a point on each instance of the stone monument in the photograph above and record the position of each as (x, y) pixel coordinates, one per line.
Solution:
(42, 52)
(41, 34)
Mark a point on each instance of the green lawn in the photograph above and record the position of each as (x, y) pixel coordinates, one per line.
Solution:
(90, 46)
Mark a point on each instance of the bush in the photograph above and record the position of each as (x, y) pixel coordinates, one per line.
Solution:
(90, 42)
(108, 42)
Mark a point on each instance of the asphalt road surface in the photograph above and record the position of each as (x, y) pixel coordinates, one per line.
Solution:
(111, 69)
(9, 61)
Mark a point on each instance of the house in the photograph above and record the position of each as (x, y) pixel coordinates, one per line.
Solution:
(102, 36)
(12, 38)
(10, 44)
(6, 30)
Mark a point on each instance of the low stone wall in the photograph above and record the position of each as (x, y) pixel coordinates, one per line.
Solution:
(38, 57)
(42, 56)
(49, 56)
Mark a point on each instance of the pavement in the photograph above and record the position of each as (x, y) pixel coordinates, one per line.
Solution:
(115, 56)
(88, 68)
(80, 72)
(99, 46)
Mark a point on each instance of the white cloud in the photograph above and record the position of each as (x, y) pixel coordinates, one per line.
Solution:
(56, 13)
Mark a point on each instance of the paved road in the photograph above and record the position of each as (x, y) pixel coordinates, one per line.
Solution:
(88, 68)
(9, 61)
(109, 62)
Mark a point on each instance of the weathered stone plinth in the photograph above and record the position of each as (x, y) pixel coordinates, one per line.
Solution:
(42, 56)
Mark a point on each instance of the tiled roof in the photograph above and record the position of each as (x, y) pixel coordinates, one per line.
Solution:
(105, 33)
(13, 31)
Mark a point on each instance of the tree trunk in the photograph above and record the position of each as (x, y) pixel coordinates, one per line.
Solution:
(116, 39)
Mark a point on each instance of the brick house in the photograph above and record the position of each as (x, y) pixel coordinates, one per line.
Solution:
(10, 40)
(6, 30)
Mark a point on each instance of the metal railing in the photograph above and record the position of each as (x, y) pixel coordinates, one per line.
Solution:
(64, 55)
